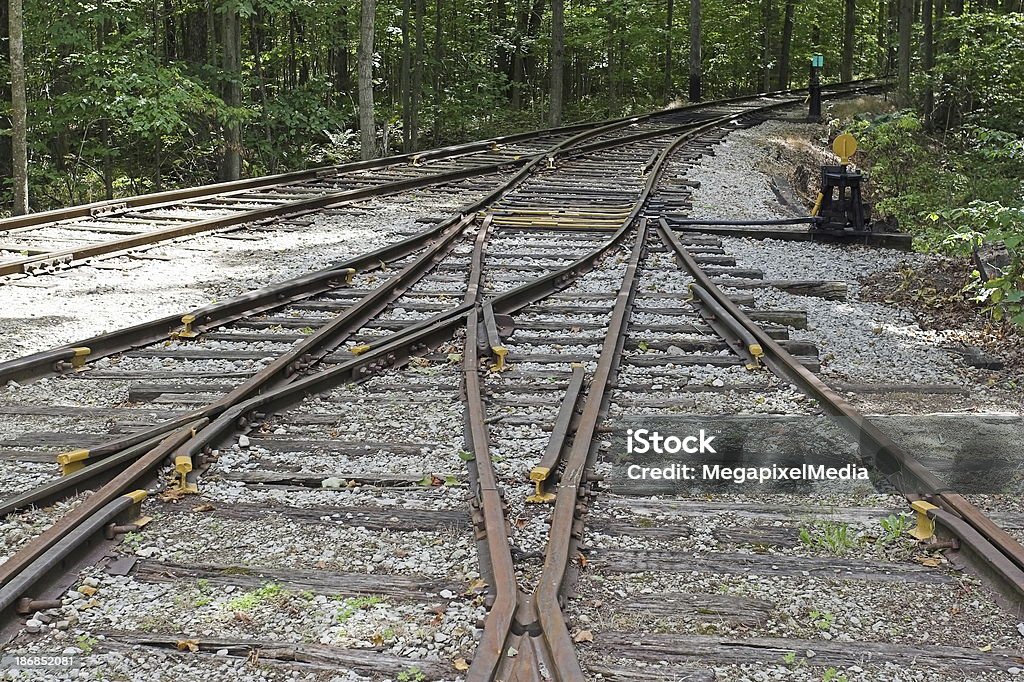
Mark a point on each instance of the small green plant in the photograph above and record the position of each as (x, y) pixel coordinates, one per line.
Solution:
(833, 675)
(831, 536)
(249, 600)
(823, 620)
(413, 674)
(86, 643)
(350, 605)
(792, 662)
(893, 527)
(133, 541)
(306, 330)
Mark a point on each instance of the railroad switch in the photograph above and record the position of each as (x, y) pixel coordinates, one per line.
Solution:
(539, 475)
(72, 461)
(840, 208)
(925, 529)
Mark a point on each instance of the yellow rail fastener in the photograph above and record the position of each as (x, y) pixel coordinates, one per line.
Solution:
(137, 496)
(186, 331)
(499, 352)
(72, 461)
(349, 274)
(78, 359)
(757, 353)
(538, 475)
(182, 468)
(925, 529)
(360, 349)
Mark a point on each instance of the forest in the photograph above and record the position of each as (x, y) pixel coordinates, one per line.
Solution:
(108, 98)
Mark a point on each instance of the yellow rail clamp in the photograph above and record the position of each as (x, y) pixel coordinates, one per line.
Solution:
(538, 475)
(78, 359)
(182, 468)
(349, 274)
(72, 461)
(415, 161)
(360, 349)
(186, 332)
(495, 146)
(499, 352)
(925, 529)
(551, 163)
(137, 496)
(757, 353)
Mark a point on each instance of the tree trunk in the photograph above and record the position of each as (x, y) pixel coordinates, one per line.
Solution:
(882, 36)
(766, 45)
(405, 78)
(849, 31)
(695, 60)
(787, 46)
(928, 60)
(231, 34)
(417, 76)
(557, 62)
(19, 110)
(367, 129)
(669, 20)
(906, 8)
(5, 96)
(438, 69)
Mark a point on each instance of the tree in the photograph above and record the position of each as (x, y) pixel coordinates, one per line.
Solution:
(786, 50)
(695, 62)
(231, 34)
(19, 109)
(405, 79)
(849, 28)
(557, 62)
(669, 17)
(906, 9)
(367, 128)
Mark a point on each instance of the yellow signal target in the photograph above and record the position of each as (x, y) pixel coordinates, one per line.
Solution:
(844, 146)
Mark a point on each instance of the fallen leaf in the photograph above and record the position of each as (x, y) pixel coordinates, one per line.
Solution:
(583, 636)
(985, 649)
(460, 664)
(188, 645)
(477, 585)
(582, 560)
(377, 639)
(203, 508)
(929, 561)
(87, 591)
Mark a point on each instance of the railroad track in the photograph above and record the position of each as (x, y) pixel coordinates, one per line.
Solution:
(51, 240)
(342, 424)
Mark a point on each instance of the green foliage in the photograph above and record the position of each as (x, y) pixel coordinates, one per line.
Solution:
(893, 528)
(823, 620)
(86, 643)
(413, 674)
(831, 536)
(351, 605)
(249, 600)
(954, 194)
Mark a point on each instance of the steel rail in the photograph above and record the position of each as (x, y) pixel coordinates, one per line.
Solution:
(1000, 551)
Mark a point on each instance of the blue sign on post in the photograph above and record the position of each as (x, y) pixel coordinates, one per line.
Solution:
(817, 61)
